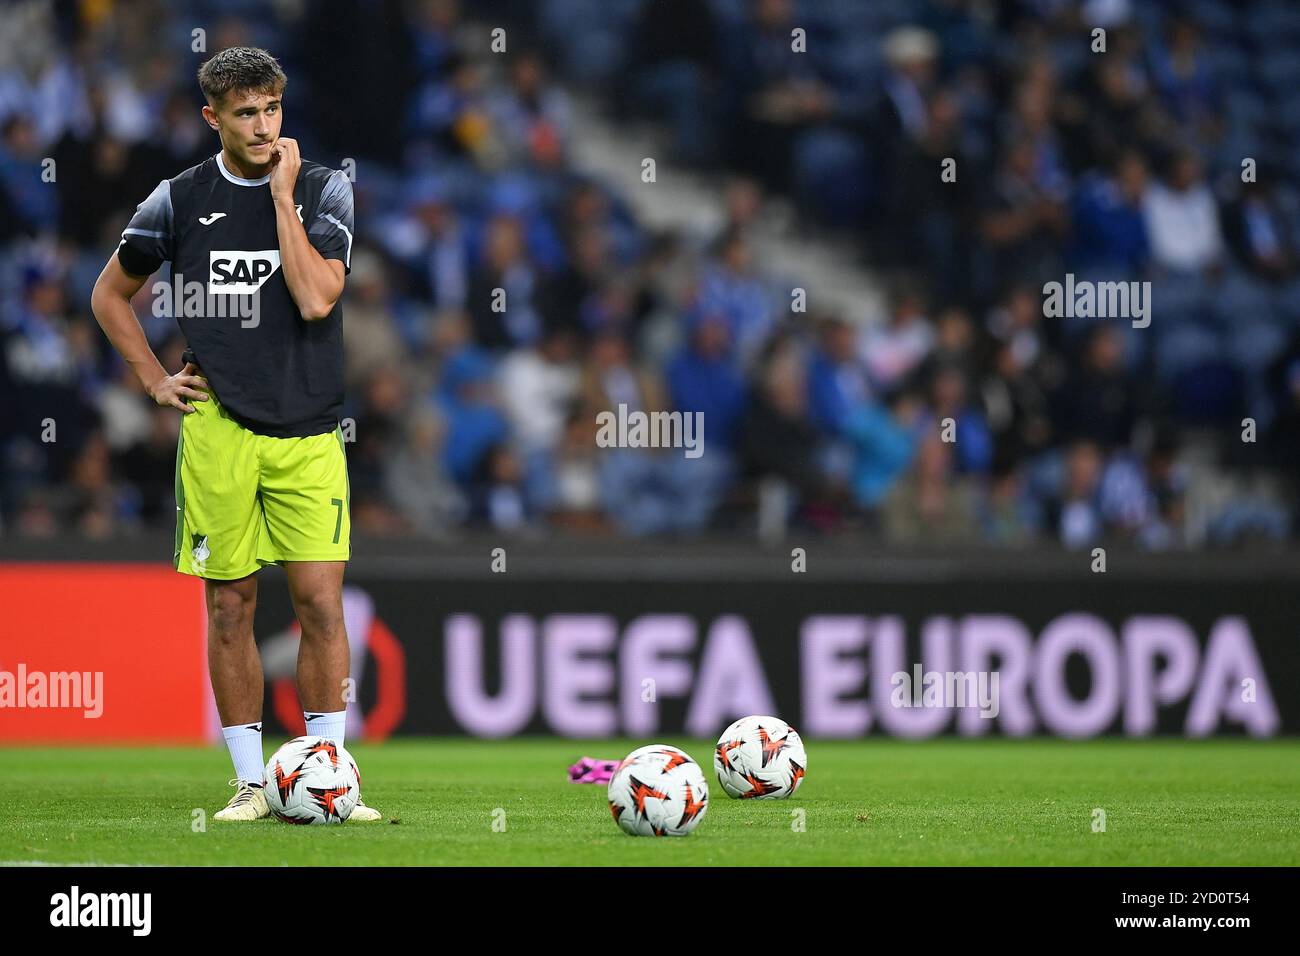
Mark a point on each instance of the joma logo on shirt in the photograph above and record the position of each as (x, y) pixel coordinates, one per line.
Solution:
(240, 273)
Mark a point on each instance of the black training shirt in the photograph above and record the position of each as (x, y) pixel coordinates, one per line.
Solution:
(276, 373)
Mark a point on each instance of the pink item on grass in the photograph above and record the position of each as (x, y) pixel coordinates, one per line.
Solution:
(591, 770)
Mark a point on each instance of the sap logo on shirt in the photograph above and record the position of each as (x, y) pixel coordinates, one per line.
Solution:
(240, 273)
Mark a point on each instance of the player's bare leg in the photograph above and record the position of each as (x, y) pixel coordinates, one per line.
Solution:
(316, 588)
(236, 672)
(233, 662)
(317, 591)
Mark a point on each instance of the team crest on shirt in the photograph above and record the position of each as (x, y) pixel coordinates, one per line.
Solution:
(236, 272)
(200, 551)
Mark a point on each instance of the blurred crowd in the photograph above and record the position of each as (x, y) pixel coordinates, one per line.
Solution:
(961, 415)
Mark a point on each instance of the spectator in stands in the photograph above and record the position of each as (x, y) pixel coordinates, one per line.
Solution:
(955, 342)
(777, 438)
(775, 92)
(931, 213)
(30, 209)
(147, 465)
(500, 299)
(1024, 221)
(703, 378)
(498, 492)
(468, 399)
(885, 437)
(1097, 403)
(1076, 512)
(532, 115)
(1032, 123)
(1260, 230)
(1016, 407)
(537, 388)
(1112, 110)
(1182, 218)
(910, 55)
(931, 503)
(674, 65)
(732, 290)
(1110, 236)
(568, 299)
(838, 384)
(416, 481)
(564, 482)
(1185, 80)
(1142, 499)
(451, 112)
(950, 402)
(893, 350)
(609, 379)
(1017, 321)
(377, 431)
(428, 240)
(1009, 515)
(370, 337)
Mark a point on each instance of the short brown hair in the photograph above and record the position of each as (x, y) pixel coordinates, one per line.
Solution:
(241, 69)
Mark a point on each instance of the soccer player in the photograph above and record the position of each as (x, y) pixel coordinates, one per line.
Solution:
(265, 238)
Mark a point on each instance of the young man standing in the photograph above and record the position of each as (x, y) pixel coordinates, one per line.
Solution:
(265, 237)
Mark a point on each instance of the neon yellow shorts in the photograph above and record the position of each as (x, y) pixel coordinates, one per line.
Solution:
(245, 500)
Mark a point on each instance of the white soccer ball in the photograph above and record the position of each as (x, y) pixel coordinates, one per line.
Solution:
(658, 791)
(760, 758)
(312, 780)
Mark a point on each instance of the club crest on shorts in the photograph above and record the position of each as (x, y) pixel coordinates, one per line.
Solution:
(200, 551)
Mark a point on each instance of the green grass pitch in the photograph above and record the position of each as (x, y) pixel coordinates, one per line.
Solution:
(873, 802)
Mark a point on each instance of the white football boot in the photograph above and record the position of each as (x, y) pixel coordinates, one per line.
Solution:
(362, 813)
(248, 803)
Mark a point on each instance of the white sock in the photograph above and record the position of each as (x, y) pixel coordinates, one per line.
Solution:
(245, 744)
(331, 726)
